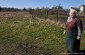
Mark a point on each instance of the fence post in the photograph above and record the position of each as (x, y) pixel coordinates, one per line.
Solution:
(57, 15)
(47, 13)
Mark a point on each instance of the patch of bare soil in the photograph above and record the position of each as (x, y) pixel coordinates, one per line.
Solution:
(26, 49)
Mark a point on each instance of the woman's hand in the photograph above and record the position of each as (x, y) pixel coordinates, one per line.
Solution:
(64, 32)
(78, 37)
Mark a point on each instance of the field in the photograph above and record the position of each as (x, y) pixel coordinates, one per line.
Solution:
(21, 35)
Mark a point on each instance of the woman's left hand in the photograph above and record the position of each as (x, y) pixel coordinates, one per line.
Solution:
(78, 37)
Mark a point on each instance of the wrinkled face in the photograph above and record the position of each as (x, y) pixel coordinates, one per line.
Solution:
(72, 13)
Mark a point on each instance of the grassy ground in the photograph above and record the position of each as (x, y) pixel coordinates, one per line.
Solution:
(29, 36)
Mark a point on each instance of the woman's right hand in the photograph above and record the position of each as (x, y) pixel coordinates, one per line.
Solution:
(64, 32)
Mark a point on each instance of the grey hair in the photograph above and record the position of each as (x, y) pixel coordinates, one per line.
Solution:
(73, 10)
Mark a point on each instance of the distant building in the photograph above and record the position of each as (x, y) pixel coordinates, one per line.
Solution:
(82, 9)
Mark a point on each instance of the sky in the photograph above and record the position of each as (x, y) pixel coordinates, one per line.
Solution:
(41, 3)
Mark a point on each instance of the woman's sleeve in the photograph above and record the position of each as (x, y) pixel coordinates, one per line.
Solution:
(80, 27)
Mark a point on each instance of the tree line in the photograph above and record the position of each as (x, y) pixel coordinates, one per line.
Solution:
(30, 9)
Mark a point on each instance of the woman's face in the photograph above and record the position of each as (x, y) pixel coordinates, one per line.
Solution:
(72, 13)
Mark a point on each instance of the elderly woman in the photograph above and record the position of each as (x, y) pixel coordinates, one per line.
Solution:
(73, 32)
